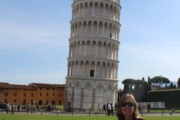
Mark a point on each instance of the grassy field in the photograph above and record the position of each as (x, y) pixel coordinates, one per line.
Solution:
(52, 117)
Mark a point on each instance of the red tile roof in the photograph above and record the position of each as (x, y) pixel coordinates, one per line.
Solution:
(29, 86)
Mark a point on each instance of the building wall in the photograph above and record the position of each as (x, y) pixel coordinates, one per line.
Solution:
(32, 95)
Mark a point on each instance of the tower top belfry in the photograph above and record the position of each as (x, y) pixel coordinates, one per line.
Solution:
(93, 53)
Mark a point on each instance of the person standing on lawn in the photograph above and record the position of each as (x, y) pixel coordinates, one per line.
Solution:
(128, 109)
(148, 107)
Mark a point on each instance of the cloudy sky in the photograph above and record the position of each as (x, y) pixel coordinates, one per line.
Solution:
(34, 40)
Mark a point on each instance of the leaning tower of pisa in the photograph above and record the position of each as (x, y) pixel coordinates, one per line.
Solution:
(93, 54)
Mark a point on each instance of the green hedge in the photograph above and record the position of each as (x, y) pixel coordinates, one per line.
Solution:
(171, 97)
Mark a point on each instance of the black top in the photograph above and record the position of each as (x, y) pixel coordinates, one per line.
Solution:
(139, 119)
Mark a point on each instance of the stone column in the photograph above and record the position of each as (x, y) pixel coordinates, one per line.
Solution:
(118, 34)
(110, 52)
(104, 11)
(106, 51)
(116, 72)
(113, 70)
(105, 70)
(74, 69)
(80, 54)
(93, 10)
(79, 67)
(70, 50)
(97, 29)
(87, 24)
(82, 97)
(96, 49)
(100, 70)
(113, 97)
(79, 10)
(91, 54)
(103, 24)
(71, 31)
(85, 48)
(83, 9)
(82, 30)
(89, 69)
(105, 96)
(110, 72)
(84, 69)
(108, 29)
(117, 53)
(101, 51)
(68, 70)
(72, 100)
(95, 71)
(77, 30)
(71, 70)
(93, 99)
(92, 28)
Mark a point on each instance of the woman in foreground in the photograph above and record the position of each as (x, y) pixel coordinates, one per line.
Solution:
(128, 108)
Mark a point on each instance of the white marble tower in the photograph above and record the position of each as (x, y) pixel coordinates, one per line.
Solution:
(93, 54)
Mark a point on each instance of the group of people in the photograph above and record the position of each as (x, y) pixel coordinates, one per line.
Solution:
(10, 108)
(13, 107)
(108, 108)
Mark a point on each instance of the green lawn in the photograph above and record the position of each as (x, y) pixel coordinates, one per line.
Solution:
(53, 117)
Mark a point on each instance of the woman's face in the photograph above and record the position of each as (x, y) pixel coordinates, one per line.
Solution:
(127, 110)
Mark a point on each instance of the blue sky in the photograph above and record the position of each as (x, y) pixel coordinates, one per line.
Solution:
(34, 38)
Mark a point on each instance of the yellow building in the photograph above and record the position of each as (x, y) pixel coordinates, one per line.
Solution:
(34, 93)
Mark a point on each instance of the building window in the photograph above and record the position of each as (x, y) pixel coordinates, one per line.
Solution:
(6, 94)
(24, 89)
(60, 89)
(40, 88)
(47, 88)
(15, 94)
(53, 94)
(40, 94)
(32, 101)
(110, 36)
(24, 94)
(60, 95)
(47, 102)
(24, 102)
(6, 100)
(47, 94)
(32, 94)
(91, 73)
(53, 88)
(60, 102)
(14, 100)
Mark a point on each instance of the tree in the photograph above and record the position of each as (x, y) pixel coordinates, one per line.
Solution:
(129, 81)
(158, 80)
(149, 80)
(171, 85)
(120, 93)
(128, 84)
(137, 90)
(179, 82)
